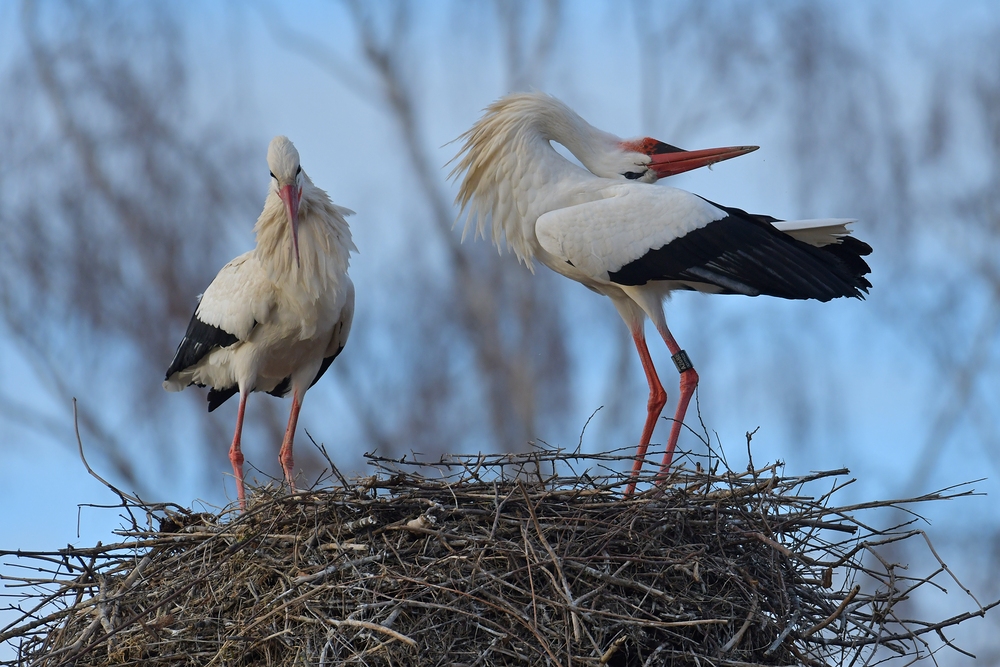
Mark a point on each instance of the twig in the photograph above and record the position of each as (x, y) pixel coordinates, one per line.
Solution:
(833, 617)
(371, 626)
(731, 644)
(126, 497)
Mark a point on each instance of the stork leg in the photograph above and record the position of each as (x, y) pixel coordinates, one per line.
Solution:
(657, 399)
(285, 455)
(236, 454)
(689, 382)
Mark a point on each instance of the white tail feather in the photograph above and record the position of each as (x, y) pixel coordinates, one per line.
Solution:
(818, 232)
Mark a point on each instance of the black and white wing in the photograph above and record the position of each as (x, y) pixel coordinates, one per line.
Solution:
(237, 300)
(643, 234)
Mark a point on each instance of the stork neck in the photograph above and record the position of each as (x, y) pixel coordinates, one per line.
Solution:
(324, 242)
(513, 174)
(587, 143)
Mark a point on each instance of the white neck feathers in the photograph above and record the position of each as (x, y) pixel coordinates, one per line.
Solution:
(325, 242)
(507, 153)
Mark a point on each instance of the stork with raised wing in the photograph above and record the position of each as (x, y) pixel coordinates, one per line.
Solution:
(276, 317)
(607, 228)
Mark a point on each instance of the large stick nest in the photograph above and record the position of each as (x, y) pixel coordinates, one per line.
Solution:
(489, 560)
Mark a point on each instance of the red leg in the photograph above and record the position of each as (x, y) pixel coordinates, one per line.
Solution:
(285, 455)
(236, 455)
(657, 399)
(689, 382)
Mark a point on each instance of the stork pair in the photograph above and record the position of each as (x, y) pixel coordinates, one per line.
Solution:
(276, 317)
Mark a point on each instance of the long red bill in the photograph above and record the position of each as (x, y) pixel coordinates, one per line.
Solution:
(290, 195)
(677, 162)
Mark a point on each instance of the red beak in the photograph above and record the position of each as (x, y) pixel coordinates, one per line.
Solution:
(291, 195)
(677, 162)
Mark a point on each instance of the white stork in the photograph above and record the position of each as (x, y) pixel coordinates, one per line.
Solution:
(276, 317)
(606, 228)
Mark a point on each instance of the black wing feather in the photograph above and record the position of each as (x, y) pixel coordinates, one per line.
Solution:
(217, 397)
(199, 339)
(326, 364)
(744, 254)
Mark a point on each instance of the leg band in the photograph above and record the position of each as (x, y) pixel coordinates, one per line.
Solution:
(682, 361)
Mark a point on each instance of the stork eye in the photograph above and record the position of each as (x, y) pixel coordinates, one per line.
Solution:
(633, 175)
(298, 170)
(273, 176)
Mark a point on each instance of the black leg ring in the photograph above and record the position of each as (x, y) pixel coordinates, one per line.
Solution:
(682, 361)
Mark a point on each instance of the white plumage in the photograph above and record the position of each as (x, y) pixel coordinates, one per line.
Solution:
(606, 227)
(275, 317)
(643, 218)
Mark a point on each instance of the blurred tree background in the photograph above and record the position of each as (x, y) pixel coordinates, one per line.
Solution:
(132, 145)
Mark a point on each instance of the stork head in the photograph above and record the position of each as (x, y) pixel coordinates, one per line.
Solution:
(286, 181)
(648, 159)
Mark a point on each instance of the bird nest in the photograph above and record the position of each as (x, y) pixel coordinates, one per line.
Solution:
(490, 560)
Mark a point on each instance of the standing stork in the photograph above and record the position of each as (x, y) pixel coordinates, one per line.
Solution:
(276, 317)
(606, 228)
